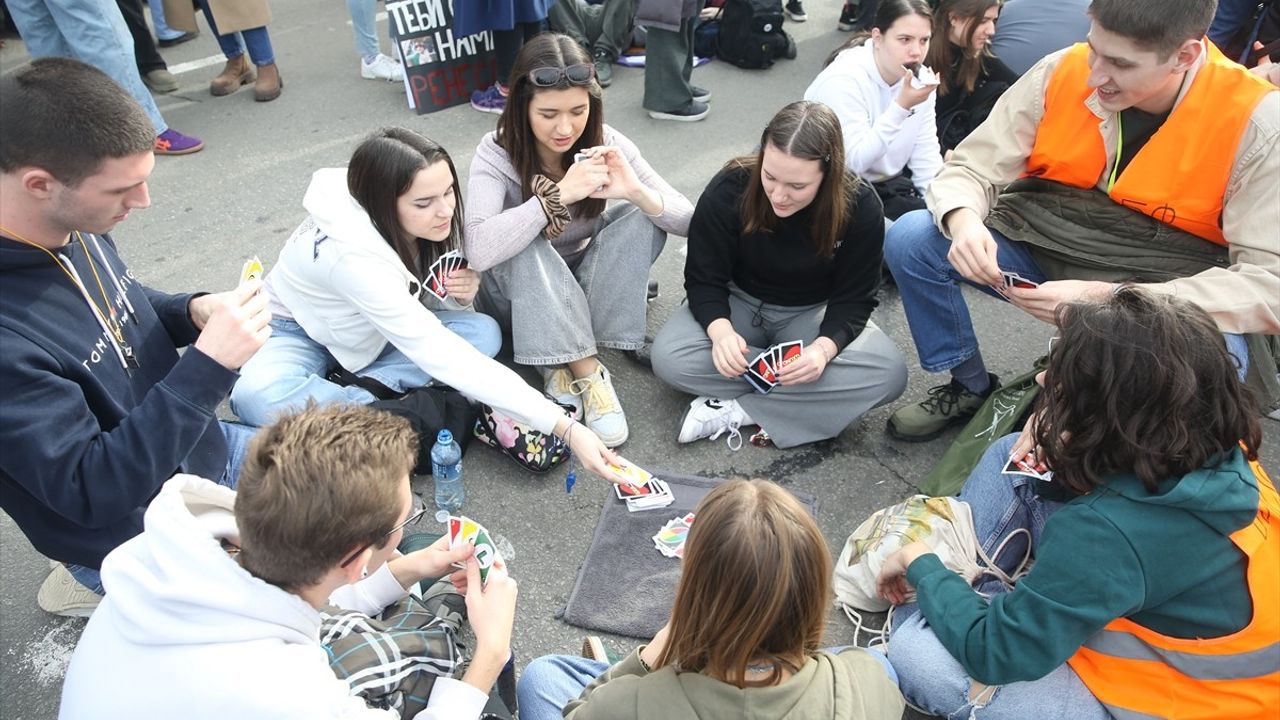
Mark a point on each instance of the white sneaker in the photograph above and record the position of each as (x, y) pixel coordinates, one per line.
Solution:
(382, 68)
(559, 385)
(601, 410)
(61, 594)
(709, 417)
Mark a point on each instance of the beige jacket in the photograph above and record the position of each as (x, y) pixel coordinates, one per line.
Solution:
(1242, 298)
(230, 15)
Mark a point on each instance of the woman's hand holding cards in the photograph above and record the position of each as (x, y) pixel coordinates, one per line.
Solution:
(728, 348)
(589, 450)
(462, 285)
(583, 179)
(810, 364)
(624, 184)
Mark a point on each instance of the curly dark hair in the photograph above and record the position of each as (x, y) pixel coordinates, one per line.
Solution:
(1141, 383)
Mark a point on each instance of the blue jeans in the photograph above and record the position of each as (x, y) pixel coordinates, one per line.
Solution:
(163, 31)
(233, 44)
(551, 681)
(929, 676)
(916, 252)
(238, 437)
(91, 31)
(364, 26)
(290, 368)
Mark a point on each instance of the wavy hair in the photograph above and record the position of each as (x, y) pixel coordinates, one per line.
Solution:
(515, 134)
(756, 585)
(1141, 383)
(943, 52)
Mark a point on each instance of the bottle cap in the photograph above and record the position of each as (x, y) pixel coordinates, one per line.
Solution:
(442, 516)
(444, 437)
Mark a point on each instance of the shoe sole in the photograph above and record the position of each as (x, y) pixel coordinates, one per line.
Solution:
(678, 118)
(797, 18)
(893, 433)
(844, 27)
(187, 151)
(244, 80)
(495, 111)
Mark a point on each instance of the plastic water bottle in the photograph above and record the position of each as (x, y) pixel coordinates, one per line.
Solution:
(446, 470)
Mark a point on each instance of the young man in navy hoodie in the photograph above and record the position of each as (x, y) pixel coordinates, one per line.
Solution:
(98, 409)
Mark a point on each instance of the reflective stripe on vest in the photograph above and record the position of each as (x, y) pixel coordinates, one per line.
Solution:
(1139, 674)
(1180, 176)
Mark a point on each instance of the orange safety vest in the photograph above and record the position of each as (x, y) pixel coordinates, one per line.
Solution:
(1139, 674)
(1180, 176)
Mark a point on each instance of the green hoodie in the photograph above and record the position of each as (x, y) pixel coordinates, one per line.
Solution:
(852, 685)
(1164, 560)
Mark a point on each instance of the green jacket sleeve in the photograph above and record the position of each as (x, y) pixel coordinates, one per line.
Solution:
(582, 709)
(1086, 574)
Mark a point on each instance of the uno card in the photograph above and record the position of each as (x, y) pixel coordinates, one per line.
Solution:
(635, 477)
(1026, 466)
(1014, 280)
(252, 270)
(789, 352)
(763, 370)
(486, 554)
(756, 383)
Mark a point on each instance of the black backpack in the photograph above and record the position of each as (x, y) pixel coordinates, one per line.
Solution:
(751, 34)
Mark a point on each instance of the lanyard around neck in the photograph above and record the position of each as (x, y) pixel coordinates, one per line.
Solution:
(1115, 167)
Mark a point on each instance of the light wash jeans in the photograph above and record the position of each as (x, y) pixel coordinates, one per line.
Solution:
(930, 677)
(91, 31)
(163, 31)
(559, 313)
(551, 681)
(290, 368)
(233, 45)
(238, 437)
(916, 252)
(364, 14)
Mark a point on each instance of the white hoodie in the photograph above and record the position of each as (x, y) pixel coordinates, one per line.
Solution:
(340, 280)
(185, 632)
(880, 137)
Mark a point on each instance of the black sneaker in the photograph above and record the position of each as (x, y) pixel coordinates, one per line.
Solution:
(693, 111)
(947, 405)
(795, 11)
(848, 17)
(702, 95)
(652, 293)
(604, 68)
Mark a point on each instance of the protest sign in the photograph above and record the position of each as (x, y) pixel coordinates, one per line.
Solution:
(440, 70)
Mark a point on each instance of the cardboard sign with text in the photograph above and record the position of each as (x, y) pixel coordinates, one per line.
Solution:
(440, 70)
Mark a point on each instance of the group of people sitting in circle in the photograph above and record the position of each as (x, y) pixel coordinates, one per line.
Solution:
(1151, 248)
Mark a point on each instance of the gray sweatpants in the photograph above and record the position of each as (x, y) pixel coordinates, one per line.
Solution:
(869, 372)
(557, 312)
(605, 28)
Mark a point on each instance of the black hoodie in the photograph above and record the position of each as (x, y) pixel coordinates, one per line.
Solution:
(87, 434)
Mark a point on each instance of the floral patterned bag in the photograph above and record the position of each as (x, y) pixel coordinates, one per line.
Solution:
(531, 449)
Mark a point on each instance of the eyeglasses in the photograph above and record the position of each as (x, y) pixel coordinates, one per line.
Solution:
(419, 509)
(545, 77)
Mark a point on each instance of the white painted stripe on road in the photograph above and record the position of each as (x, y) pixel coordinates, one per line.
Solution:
(187, 67)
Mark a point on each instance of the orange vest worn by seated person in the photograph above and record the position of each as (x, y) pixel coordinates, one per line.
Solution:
(1180, 176)
(1139, 674)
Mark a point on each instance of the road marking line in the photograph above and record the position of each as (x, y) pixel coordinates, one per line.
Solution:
(187, 67)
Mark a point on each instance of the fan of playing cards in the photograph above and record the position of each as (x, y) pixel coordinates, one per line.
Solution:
(463, 530)
(440, 270)
(762, 372)
(1028, 465)
(1014, 280)
(640, 489)
(670, 539)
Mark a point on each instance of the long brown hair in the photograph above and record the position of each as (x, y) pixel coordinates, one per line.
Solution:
(809, 131)
(756, 585)
(943, 52)
(515, 134)
(1143, 384)
(886, 15)
(382, 169)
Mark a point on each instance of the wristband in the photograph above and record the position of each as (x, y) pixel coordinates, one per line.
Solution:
(548, 194)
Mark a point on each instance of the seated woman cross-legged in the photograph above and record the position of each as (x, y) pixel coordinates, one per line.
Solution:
(744, 635)
(1157, 565)
(347, 297)
(564, 274)
(784, 246)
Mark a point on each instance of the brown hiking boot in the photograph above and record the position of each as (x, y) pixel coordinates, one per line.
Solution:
(269, 84)
(236, 73)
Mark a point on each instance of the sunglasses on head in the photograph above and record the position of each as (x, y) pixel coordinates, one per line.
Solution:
(419, 509)
(546, 77)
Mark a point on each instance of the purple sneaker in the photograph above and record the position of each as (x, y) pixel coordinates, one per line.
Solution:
(490, 100)
(172, 142)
